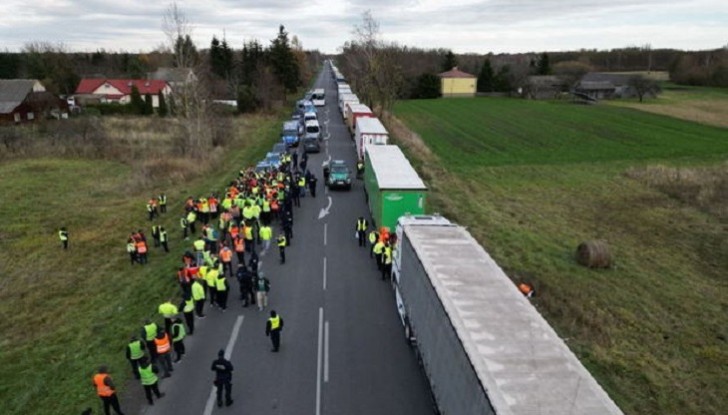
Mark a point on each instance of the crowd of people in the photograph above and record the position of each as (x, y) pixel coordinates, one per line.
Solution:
(228, 235)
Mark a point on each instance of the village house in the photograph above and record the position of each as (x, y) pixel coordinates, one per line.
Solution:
(23, 100)
(456, 83)
(101, 90)
(602, 85)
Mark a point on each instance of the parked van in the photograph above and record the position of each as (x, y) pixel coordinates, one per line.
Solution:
(318, 97)
(309, 116)
(289, 134)
(312, 130)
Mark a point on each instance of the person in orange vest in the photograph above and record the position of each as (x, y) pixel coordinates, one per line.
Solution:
(226, 256)
(239, 244)
(526, 289)
(164, 351)
(141, 250)
(106, 390)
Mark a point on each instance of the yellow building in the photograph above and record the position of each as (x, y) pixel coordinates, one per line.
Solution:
(456, 83)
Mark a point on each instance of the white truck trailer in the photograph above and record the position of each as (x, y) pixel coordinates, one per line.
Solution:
(369, 131)
(484, 347)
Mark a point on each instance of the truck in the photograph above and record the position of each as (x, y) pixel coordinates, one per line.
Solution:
(483, 346)
(289, 133)
(369, 131)
(392, 187)
(346, 99)
(354, 111)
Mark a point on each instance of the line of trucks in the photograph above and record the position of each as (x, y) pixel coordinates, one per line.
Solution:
(483, 346)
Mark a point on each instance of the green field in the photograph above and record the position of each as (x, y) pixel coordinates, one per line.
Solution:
(531, 180)
(65, 313)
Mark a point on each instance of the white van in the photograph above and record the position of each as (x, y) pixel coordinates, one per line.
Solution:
(309, 116)
(319, 97)
(312, 130)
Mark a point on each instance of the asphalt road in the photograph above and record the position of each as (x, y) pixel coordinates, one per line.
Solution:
(342, 347)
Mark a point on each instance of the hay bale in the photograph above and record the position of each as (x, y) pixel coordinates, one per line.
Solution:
(594, 254)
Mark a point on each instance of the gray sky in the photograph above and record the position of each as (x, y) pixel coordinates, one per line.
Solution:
(478, 26)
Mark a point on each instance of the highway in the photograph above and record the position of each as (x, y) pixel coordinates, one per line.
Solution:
(342, 347)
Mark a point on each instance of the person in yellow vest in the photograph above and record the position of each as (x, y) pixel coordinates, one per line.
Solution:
(185, 226)
(248, 236)
(386, 261)
(131, 250)
(106, 390)
(149, 331)
(361, 230)
(211, 280)
(273, 330)
(373, 238)
(163, 238)
(282, 248)
(169, 311)
(63, 236)
(266, 233)
(162, 202)
(147, 373)
(378, 250)
(198, 295)
(178, 337)
(199, 245)
(188, 310)
(164, 351)
(134, 352)
(221, 287)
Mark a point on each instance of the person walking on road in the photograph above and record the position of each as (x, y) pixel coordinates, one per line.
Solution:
(282, 248)
(178, 337)
(223, 378)
(147, 373)
(378, 250)
(386, 261)
(198, 294)
(221, 286)
(106, 390)
(361, 230)
(134, 352)
(164, 351)
(63, 236)
(262, 287)
(266, 233)
(244, 283)
(373, 238)
(312, 184)
(273, 329)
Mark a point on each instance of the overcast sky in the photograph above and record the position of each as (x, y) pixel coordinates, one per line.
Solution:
(478, 26)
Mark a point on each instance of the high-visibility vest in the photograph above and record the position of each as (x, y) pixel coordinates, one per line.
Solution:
(150, 207)
(63, 235)
(141, 247)
(191, 217)
(183, 223)
(378, 247)
(162, 200)
(168, 309)
(266, 233)
(221, 283)
(234, 230)
(361, 225)
(163, 236)
(226, 255)
(204, 206)
(275, 322)
(239, 244)
(302, 182)
(248, 212)
(199, 245)
(135, 350)
(150, 330)
(198, 292)
(180, 332)
(147, 375)
(101, 388)
(248, 232)
(130, 247)
(162, 344)
(266, 206)
(155, 229)
(211, 277)
(387, 255)
(373, 236)
(281, 240)
(189, 305)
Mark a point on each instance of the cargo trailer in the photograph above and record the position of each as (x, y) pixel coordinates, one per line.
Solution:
(354, 111)
(369, 131)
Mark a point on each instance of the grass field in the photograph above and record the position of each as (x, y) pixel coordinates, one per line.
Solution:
(64, 313)
(531, 180)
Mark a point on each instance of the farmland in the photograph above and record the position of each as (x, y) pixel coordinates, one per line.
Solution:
(64, 313)
(531, 180)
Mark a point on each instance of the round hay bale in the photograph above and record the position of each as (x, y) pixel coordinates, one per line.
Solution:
(594, 254)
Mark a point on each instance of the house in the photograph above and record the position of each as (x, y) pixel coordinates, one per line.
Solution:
(119, 90)
(543, 87)
(604, 85)
(456, 83)
(175, 77)
(23, 100)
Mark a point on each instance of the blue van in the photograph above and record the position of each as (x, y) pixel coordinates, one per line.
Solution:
(289, 135)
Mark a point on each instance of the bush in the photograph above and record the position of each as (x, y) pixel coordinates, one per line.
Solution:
(109, 109)
(428, 86)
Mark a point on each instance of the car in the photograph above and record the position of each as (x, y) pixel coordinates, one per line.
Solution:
(290, 133)
(303, 106)
(339, 175)
(279, 148)
(309, 116)
(311, 145)
(273, 159)
(313, 130)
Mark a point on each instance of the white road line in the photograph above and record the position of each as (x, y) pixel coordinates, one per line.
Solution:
(318, 361)
(326, 352)
(325, 273)
(326, 225)
(228, 352)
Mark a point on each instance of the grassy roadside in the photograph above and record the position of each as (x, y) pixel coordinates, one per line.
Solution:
(530, 185)
(67, 312)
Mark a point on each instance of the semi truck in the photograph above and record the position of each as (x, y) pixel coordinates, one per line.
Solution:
(483, 346)
(391, 185)
(353, 112)
(369, 131)
(346, 99)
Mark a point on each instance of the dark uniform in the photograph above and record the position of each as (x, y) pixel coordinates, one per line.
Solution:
(273, 329)
(282, 248)
(223, 378)
(361, 230)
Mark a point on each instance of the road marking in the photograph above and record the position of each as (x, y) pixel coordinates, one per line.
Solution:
(325, 211)
(228, 352)
(325, 262)
(318, 361)
(326, 352)
(326, 227)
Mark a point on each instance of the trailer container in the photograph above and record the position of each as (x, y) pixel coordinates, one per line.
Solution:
(369, 131)
(483, 346)
(354, 111)
(392, 186)
(346, 98)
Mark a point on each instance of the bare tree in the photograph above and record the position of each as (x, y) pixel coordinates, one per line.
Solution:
(644, 86)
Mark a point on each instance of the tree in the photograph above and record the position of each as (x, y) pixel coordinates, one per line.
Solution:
(486, 78)
(162, 110)
(644, 86)
(246, 99)
(544, 67)
(137, 103)
(283, 61)
(251, 57)
(216, 57)
(428, 86)
(502, 81)
(449, 61)
(148, 106)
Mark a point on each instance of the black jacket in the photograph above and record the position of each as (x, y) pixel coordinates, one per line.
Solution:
(223, 369)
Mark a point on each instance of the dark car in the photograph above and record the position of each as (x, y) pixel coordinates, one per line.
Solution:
(311, 145)
(339, 175)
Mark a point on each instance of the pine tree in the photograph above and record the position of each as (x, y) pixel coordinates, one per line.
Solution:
(283, 61)
(137, 103)
(148, 108)
(216, 57)
(226, 58)
(486, 78)
(450, 61)
(162, 110)
(544, 67)
(251, 56)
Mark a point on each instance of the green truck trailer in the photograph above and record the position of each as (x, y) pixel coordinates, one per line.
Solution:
(392, 186)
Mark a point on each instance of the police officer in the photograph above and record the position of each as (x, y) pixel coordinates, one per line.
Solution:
(361, 230)
(63, 236)
(198, 295)
(373, 238)
(312, 184)
(273, 330)
(178, 337)
(282, 248)
(223, 378)
(147, 373)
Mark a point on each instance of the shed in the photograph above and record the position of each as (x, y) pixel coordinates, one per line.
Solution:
(24, 100)
(456, 83)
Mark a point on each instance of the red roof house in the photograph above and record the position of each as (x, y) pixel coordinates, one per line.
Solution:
(119, 90)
